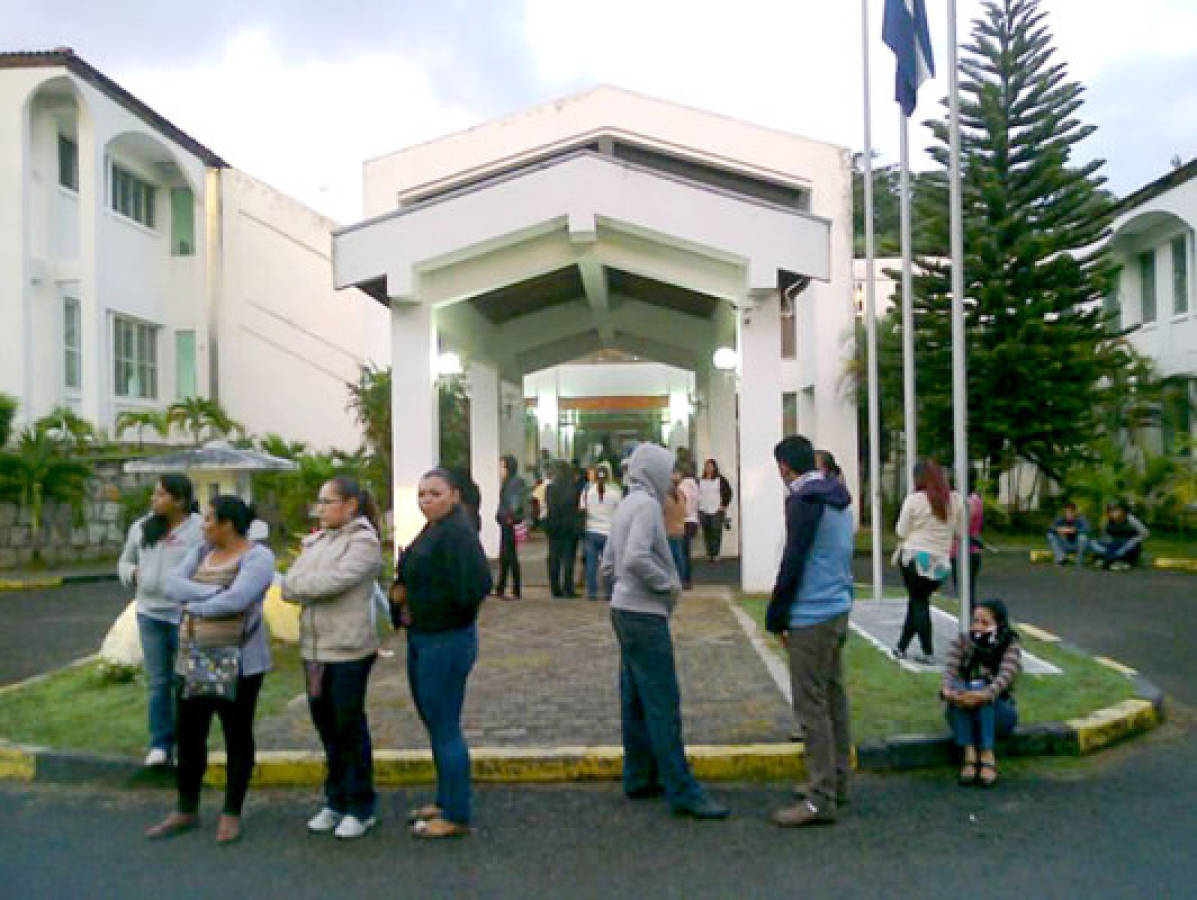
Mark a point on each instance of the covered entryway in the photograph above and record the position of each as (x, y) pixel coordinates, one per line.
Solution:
(582, 253)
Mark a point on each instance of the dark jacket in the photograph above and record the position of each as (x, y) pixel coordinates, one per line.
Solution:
(446, 575)
(816, 568)
(562, 500)
(512, 496)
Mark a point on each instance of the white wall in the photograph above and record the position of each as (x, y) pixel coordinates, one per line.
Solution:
(634, 379)
(288, 341)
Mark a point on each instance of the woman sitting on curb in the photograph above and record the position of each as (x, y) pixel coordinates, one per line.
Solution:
(978, 678)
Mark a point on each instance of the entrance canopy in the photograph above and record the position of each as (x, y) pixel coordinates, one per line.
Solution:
(595, 238)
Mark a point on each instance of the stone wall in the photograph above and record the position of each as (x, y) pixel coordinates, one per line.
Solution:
(67, 537)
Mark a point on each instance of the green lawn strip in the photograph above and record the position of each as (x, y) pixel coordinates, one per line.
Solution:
(1158, 545)
(79, 709)
(888, 700)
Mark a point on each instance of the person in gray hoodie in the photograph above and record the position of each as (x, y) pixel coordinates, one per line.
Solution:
(637, 562)
(155, 544)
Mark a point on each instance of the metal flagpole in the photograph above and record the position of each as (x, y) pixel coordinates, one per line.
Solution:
(959, 384)
(871, 317)
(907, 309)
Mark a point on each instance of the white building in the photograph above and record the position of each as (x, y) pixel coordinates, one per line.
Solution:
(138, 268)
(613, 223)
(1153, 241)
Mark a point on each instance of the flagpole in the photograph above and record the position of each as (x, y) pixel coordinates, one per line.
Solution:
(875, 511)
(959, 384)
(908, 398)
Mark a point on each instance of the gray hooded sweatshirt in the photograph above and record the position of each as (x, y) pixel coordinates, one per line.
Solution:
(153, 564)
(637, 556)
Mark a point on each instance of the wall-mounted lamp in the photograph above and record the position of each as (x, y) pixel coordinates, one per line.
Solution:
(725, 359)
(449, 363)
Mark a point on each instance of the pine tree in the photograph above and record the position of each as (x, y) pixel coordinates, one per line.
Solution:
(1039, 346)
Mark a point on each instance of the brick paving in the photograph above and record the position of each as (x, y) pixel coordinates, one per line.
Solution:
(547, 676)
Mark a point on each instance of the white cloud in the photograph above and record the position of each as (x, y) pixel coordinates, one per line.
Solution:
(303, 126)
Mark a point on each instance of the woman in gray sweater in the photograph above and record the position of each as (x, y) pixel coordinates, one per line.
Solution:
(646, 587)
(155, 545)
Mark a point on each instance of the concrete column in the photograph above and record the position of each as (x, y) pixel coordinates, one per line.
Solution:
(484, 446)
(761, 492)
(413, 411)
(547, 415)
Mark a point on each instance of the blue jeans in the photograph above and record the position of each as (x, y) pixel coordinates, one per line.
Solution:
(438, 664)
(1061, 547)
(650, 705)
(981, 726)
(159, 645)
(677, 549)
(593, 548)
(339, 714)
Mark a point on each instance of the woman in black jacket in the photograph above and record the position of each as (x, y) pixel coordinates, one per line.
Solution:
(440, 581)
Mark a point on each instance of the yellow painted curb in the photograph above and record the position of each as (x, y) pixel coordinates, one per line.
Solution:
(1115, 665)
(1041, 556)
(1175, 563)
(746, 762)
(1038, 633)
(29, 584)
(1104, 727)
(17, 764)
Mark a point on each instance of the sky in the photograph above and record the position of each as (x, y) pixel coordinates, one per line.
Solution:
(298, 93)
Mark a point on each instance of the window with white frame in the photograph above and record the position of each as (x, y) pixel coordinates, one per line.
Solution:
(1147, 287)
(68, 163)
(132, 197)
(135, 358)
(72, 344)
(1180, 275)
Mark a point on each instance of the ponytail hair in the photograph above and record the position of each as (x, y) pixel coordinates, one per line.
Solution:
(231, 508)
(929, 478)
(351, 489)
(155, 527)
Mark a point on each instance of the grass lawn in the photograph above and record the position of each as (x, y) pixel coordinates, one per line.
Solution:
(1159, 544)
(888, 700)
(78, 709)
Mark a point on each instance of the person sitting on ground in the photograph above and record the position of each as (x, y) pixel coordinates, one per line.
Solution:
(1069, 534)
(978, 681)
(1122, 537)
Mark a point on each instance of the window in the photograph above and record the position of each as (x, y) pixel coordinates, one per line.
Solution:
(789, 331)
(68, 163)
(185, 365)
(72, 344)
(1147, 286)
(132, 197)
(789, 413)
(1180, 275)
(182, 222)
(1109, 306)
(135, 356)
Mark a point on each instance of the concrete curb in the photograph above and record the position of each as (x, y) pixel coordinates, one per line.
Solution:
(1169, 563)
(42, 582)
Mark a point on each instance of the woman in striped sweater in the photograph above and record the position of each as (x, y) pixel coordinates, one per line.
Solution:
(978, 680)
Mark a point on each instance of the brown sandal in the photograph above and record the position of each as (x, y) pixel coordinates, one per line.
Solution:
(989, 769)
(424, 813)
(438, 828)
(175, 824)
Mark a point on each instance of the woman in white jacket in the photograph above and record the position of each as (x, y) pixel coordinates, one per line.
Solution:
(930, 519)
(155, 545)
(599, 502)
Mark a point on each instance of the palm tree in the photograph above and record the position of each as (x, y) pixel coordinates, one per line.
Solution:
(370, 402)
(38, 470)
(195, 414)
(277, 445)
(157, 419)
(65, 426)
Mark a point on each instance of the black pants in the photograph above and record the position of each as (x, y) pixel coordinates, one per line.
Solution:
(712, 532)
(509, 560)
(237, 723)
(974, 569)
(339, 714)
(563, 550)
(918, 610)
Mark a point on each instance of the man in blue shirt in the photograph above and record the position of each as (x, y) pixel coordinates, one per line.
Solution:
(808, 611)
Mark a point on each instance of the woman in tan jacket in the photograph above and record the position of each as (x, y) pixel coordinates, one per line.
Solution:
(333, 579)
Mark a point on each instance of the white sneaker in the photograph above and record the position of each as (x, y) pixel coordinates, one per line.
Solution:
(353, 827)
(324, 821)
(156, 757)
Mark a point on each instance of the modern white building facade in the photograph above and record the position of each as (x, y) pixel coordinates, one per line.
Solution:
(613, 222)
(137, 268)
(1153, 242)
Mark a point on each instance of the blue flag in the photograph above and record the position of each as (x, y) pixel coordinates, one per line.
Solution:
(905, 32)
